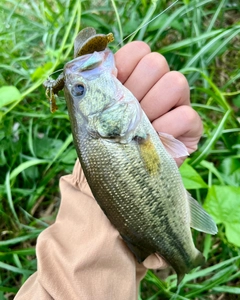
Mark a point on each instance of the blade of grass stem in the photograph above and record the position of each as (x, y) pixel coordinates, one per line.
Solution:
(27, 164)
(9, 197)
(61, 150)
(223, 44)
(118, 21)
(212, 169)
(210, 285)
(20, 239)
(205, 149)
(209, 45)
(183, 10)
(215, 16)
(189, 41)
(208, 271)
(14, 269)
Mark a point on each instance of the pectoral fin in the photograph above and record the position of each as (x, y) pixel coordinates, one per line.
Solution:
(199, 218)
(173, 146)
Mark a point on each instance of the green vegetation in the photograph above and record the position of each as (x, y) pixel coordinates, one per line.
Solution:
(201, 39)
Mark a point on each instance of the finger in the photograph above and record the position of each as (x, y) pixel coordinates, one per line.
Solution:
(146, 74)
(154, 261)
(128, 57)
(170, 91)
(183, 123)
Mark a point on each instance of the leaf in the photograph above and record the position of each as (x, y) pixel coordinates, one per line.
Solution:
(223, 203)
(69, 157)
(9, 94)
(191, 179)
(230, 168)
(41, 71)
(236, 101)
(47, 147)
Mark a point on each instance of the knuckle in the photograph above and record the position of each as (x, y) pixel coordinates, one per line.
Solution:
(179, 80)
(192, 119)
(142, 46)
(156, 62)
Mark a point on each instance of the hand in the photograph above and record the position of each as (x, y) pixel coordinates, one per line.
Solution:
(164, 95)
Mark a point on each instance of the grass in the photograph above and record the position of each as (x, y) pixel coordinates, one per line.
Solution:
(201, 39)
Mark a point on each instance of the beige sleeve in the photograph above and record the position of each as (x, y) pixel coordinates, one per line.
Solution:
(82, 256)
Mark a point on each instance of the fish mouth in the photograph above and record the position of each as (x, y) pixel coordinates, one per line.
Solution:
(95, 63)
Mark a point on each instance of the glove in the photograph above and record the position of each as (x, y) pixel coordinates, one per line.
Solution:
(82, 256)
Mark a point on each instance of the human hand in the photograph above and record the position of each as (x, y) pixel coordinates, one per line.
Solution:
(164, 95)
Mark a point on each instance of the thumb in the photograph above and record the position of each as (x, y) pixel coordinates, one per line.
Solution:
(154, 261)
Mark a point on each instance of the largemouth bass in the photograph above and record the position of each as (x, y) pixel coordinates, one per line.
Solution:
(133, 178)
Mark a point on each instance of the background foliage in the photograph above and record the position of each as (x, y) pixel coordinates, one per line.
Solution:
(201, 39)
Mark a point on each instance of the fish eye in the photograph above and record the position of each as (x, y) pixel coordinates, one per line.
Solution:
(78, 90)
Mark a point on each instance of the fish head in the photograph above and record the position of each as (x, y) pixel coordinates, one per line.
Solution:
(90, 83)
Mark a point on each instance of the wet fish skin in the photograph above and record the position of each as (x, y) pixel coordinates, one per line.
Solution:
(133, 178)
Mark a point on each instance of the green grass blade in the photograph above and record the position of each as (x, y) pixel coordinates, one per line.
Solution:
(227, 289)
(188, 42)
(20, 239)
(210, 166)
(27, 164)
(118, 21)
(14, 269)
(9, 197)
(61, 150)
(216, 15)
(206, 148)
(208, 271)
(223, 44)
(211, 44)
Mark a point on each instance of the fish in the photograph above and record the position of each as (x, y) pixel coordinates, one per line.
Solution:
(133, 178)
(128, 165)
